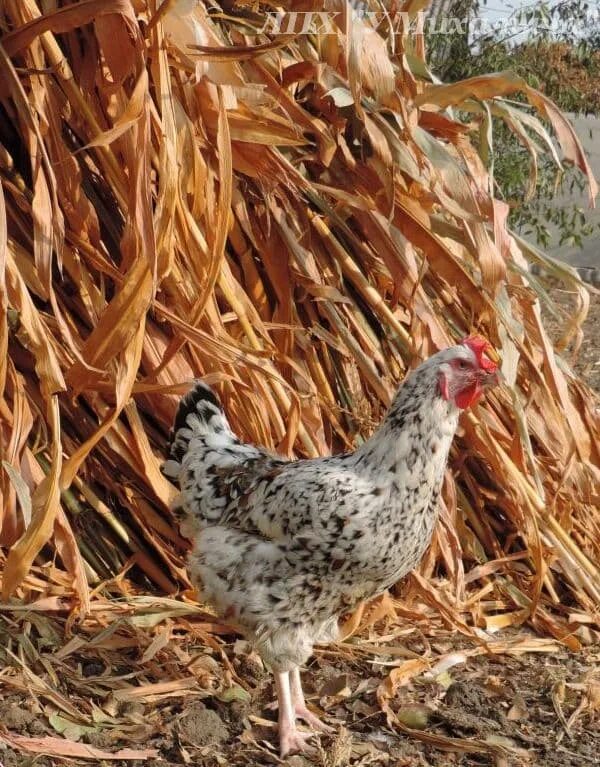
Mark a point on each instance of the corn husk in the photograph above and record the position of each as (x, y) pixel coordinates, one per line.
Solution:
(298, 219)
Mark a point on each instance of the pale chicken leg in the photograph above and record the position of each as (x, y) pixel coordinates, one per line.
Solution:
(290, 738)
(300, 708)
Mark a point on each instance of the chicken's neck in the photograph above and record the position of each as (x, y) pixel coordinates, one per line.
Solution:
(403, 464)
(410, 448)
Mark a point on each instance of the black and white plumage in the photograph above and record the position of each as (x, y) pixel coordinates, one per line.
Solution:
(283, 548)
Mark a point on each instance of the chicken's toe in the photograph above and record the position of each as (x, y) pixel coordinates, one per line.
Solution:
(312, 720)
(292, 741)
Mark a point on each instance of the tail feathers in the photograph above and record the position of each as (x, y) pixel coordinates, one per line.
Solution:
(199, 414)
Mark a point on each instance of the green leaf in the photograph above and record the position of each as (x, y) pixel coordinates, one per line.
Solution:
(233, 693)
(444, 679)
(71, 730)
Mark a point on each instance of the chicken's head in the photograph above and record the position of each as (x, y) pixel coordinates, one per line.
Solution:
(467, 370)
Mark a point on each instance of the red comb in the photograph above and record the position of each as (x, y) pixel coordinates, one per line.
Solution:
(479, 346)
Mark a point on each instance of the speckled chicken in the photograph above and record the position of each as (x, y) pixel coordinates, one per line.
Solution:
(283, 548)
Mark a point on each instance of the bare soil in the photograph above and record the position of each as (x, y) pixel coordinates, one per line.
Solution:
(543, 708)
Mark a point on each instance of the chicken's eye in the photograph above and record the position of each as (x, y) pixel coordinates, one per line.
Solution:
(462, 365)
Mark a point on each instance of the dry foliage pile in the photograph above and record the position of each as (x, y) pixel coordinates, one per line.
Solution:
(299, 219)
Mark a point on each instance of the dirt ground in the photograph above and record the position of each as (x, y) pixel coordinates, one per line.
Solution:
(535, 709)
(544, 709)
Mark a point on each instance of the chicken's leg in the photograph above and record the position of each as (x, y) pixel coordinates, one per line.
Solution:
(290, 738)
(300, 708)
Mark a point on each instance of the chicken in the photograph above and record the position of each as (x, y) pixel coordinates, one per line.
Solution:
(284, 548)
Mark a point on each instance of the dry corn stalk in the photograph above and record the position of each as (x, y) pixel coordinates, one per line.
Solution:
(298, 218)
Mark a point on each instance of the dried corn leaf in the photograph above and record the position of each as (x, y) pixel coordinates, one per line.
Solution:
(298, 220)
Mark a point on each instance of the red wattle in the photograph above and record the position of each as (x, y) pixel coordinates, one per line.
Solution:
(468, 396)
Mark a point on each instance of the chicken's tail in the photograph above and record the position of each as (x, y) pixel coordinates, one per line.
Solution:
(199, 415)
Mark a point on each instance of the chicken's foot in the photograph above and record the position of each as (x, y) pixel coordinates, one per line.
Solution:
(291, 740)
(301, 710)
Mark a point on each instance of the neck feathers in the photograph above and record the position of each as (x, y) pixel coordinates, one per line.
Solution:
(417, 430)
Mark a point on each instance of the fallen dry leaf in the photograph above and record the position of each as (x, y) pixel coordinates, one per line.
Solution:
(50, 746)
